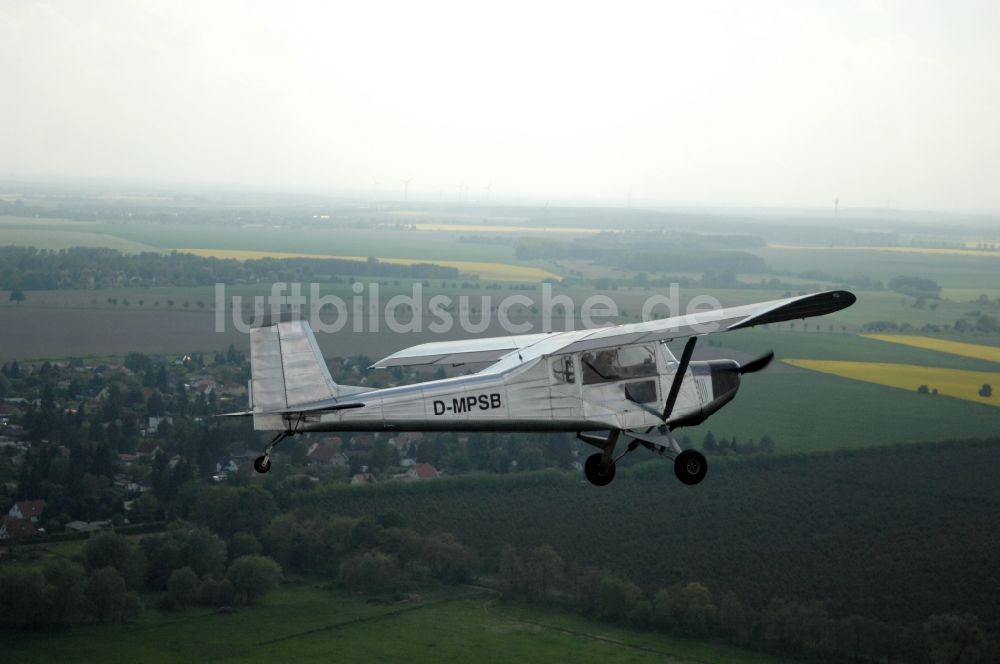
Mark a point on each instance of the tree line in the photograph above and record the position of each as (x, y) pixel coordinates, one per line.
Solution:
(29, 268)
(225, 552)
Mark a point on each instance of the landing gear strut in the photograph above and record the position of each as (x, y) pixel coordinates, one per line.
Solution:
(262, 464)
(599, 468)
(690, 466)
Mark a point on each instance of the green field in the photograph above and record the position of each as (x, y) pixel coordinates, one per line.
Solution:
(805, 411)
(332, 240)
(303, 621)
(963, 272)
(838, 346)
(64, 237)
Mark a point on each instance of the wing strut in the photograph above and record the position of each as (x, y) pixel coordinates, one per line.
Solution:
(682, 368)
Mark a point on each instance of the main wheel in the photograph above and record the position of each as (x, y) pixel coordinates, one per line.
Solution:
(690, 466)
(597, 473)
(262, 464)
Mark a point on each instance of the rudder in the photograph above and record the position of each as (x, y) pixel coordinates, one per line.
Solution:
(287, 369)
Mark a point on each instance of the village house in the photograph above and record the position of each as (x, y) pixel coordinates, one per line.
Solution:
(422, 471)
(28, 509)
(234, 390)
(14, 528)
(404, 439)
(154, 423)
(147, 448)
(327, 451)
(22, 519)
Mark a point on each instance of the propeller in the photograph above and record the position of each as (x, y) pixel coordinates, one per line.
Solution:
(757, 364)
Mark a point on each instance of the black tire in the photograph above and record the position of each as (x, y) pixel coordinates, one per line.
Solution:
(690, 466)
(262, 464)
(597, 474)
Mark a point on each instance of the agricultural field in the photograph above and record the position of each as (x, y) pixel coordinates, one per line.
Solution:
(965, 385)
(959, 275)
(66, 237)
(305, 621)
(772, 402)
(980, 352)
(483, 270)
(767, 405)
(823, 345)
(325, 239)
(806, 411)
(496, 228)
(938, 251)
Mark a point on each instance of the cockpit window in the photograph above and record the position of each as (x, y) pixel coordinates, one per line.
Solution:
(602, 366)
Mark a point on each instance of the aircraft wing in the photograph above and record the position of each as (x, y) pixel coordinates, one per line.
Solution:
(708, 322)
(557, 343)
(463, 351)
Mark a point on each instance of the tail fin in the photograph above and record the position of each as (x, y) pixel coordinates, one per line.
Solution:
(287, 369)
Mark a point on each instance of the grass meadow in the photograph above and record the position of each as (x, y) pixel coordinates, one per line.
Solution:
(305, 621)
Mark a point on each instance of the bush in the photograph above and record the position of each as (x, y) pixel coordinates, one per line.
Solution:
(110, 599)
(372, 573)
(22, 597)
(182, 586)
(215, 592)
(65, 583)
(253, 576)
(197, 548)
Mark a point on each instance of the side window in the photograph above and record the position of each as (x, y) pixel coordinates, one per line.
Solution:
(603, 366)
(563, 369)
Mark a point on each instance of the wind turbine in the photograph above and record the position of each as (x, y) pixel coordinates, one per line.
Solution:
(406, 189)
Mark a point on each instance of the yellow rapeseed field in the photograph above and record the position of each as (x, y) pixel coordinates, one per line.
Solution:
(898, 250)
(956, 383)
(486, 271)
(977, 351)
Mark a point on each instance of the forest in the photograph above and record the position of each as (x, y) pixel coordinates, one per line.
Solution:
(908, 529)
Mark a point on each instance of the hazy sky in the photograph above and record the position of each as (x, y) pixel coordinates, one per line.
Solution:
(724, 103)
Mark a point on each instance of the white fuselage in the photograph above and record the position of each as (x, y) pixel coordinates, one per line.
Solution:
(549, 393)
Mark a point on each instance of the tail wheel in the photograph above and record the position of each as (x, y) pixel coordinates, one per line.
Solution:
(597, 473)
(690, 466)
